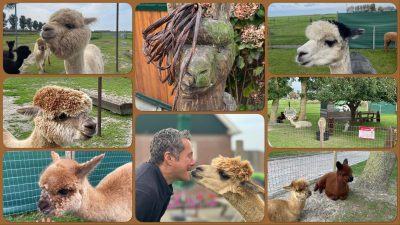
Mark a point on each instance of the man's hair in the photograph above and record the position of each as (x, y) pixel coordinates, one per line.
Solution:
(167, 140)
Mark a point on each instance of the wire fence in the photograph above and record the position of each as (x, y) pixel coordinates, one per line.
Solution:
(22, 169)
(283, 170)
(337, 135)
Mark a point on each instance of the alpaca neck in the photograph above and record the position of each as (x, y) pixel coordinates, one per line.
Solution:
(35, 140)
(292, 122)
(295, 204)
(19, 62)
(75, 64)
(249, 205)
(343, 66)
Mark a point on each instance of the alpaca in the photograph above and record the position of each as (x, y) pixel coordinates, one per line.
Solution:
(41, 53)
(9, 54)
(12, 67)
(388, 38)
(300, 124)
(230, 178)
(68, 35)
(322, 128)
(61, 117)
(329, 46)
(280, 210)
(66, 189)
(281, 118)
(335, 183)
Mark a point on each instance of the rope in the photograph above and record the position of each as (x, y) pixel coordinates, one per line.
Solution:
(163, 48)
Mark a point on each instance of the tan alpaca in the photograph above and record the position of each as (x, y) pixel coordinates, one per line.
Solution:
(388, 38)
(66, 189)
(322, 128)
(61, 117)
(230, 178)
(300, 124)
(41, 52)
(280, 210)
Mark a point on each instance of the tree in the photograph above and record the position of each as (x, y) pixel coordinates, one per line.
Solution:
(22, 22)
(35, 25)
(377, 171)
(303, 98)
(4, 21)
(12, 19)
(40, 25)
(372, 7)
(354, 90)
(278, 87)
(29, 23)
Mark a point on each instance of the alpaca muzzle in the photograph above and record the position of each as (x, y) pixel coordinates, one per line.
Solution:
(350, 179)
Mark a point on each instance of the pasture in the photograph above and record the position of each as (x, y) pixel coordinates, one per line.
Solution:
(106, 41)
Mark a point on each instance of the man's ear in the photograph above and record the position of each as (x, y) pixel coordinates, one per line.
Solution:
(168, 157)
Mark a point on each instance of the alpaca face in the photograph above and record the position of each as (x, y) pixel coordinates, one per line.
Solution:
(10, 44)
(62, 185)
(300, 189)
(23, 52)
(344, 171)
(67, 32)
(42, 46)
(327, 45)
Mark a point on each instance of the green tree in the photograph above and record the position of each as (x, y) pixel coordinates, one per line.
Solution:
(4, 21)
(22, 22)
(35, 25)
(12, 19)
(354, 90)
(40, 25)
(278, 87)
(29, 23)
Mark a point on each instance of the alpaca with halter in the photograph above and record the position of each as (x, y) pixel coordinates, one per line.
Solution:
(328, 45)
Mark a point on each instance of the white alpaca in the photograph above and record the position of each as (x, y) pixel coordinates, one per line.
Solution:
(61, 117)
(68, 35)
(328, 45)
(300, 124)
(41, 52)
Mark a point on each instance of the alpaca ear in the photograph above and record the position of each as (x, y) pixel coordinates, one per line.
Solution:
(355, 33)
(55, 156)
(289, 187)
(85, 168)
(89, 20)
(345, 162)
(252, 187)
(339, 166)
(31, 111)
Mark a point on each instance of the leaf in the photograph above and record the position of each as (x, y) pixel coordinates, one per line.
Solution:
(248, 90)
(240, 63)
(258, 71)
(261, 13)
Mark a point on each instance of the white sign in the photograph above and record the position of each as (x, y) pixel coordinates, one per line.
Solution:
(367, 133)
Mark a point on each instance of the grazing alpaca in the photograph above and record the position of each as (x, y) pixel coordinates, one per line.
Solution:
(68, 35)
(300, 124)
(335, 183)
(280, 210)
(61, 117)
(281, 118)
(230, 178)
(12, 67)
(388, 38)
(66, 189)
(329, 46)
(41, 53)
(9, 54)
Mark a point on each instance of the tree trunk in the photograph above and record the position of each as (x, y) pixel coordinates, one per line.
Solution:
(353, 110)
(274, 111)
(377, 171)
(303, 99)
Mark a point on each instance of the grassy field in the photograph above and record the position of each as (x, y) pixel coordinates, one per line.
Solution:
(104, 40)
(278, 134)
(116, 129)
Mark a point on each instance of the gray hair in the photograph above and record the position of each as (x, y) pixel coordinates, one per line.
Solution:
(167, 140)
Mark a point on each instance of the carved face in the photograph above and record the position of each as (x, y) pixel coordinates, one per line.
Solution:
(67, 32)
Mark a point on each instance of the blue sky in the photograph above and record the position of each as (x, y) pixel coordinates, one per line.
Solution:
(293, 9)
(252, 131)
(104, 12)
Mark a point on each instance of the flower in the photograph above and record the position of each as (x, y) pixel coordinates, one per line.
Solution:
(253, 35)
(245, 10)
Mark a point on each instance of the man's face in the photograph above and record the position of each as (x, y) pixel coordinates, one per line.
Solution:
(184, 165)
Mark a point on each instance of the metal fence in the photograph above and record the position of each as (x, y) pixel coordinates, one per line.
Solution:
(338, 135)
(283, 170)
(22, 169)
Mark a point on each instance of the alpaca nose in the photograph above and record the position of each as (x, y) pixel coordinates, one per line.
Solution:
(302, 53)
(47, 28)
(350, 178)
(90, 125)
(199, 169)
(43, 205)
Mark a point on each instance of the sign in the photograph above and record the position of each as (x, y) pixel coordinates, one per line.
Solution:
(367, 133)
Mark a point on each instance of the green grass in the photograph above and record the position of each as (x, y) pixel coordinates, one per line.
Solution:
(282, 61)
(288, 153)
(37, 216)
(105, 41)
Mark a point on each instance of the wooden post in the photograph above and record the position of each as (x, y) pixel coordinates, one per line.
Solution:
(334, 160)
(99, 99)
(389, 142)
(116, 38)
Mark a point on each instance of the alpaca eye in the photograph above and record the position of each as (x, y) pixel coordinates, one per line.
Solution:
(330, 43)
(61, 117)
(223, 175)
(63, 192)
(69, 26)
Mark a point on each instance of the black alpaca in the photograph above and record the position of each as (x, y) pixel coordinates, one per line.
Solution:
(12, 67)
(9, 54)
(281, 118)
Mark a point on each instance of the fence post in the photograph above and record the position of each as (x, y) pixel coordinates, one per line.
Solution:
(373, 39)
(69, 154)
(389, 143)
(334, 160)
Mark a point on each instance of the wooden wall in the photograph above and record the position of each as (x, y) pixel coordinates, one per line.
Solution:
(146, 79)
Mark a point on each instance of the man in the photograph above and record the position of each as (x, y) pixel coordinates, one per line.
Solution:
(171, 159)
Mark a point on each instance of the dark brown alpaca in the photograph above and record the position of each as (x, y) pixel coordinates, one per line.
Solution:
(335, 183)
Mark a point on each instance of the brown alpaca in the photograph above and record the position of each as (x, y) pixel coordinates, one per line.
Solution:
(230, 178)
(388, 38)
(66, 189)
(280, 210)
(335, 183)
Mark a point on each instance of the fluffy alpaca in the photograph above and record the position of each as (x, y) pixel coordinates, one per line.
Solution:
(388, 38)
(41, 53)
(61, 119)
(12, 67)
(230, 178)
(335, 183)
(9, 54)
(66, 189)
(280, 210)
(328, 45)
(68, 35)
(300, 124)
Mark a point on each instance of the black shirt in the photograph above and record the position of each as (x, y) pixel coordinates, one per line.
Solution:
(152, 193)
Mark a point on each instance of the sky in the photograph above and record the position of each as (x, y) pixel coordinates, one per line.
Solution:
(252, 131)
(104, 12)
(294, 9)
